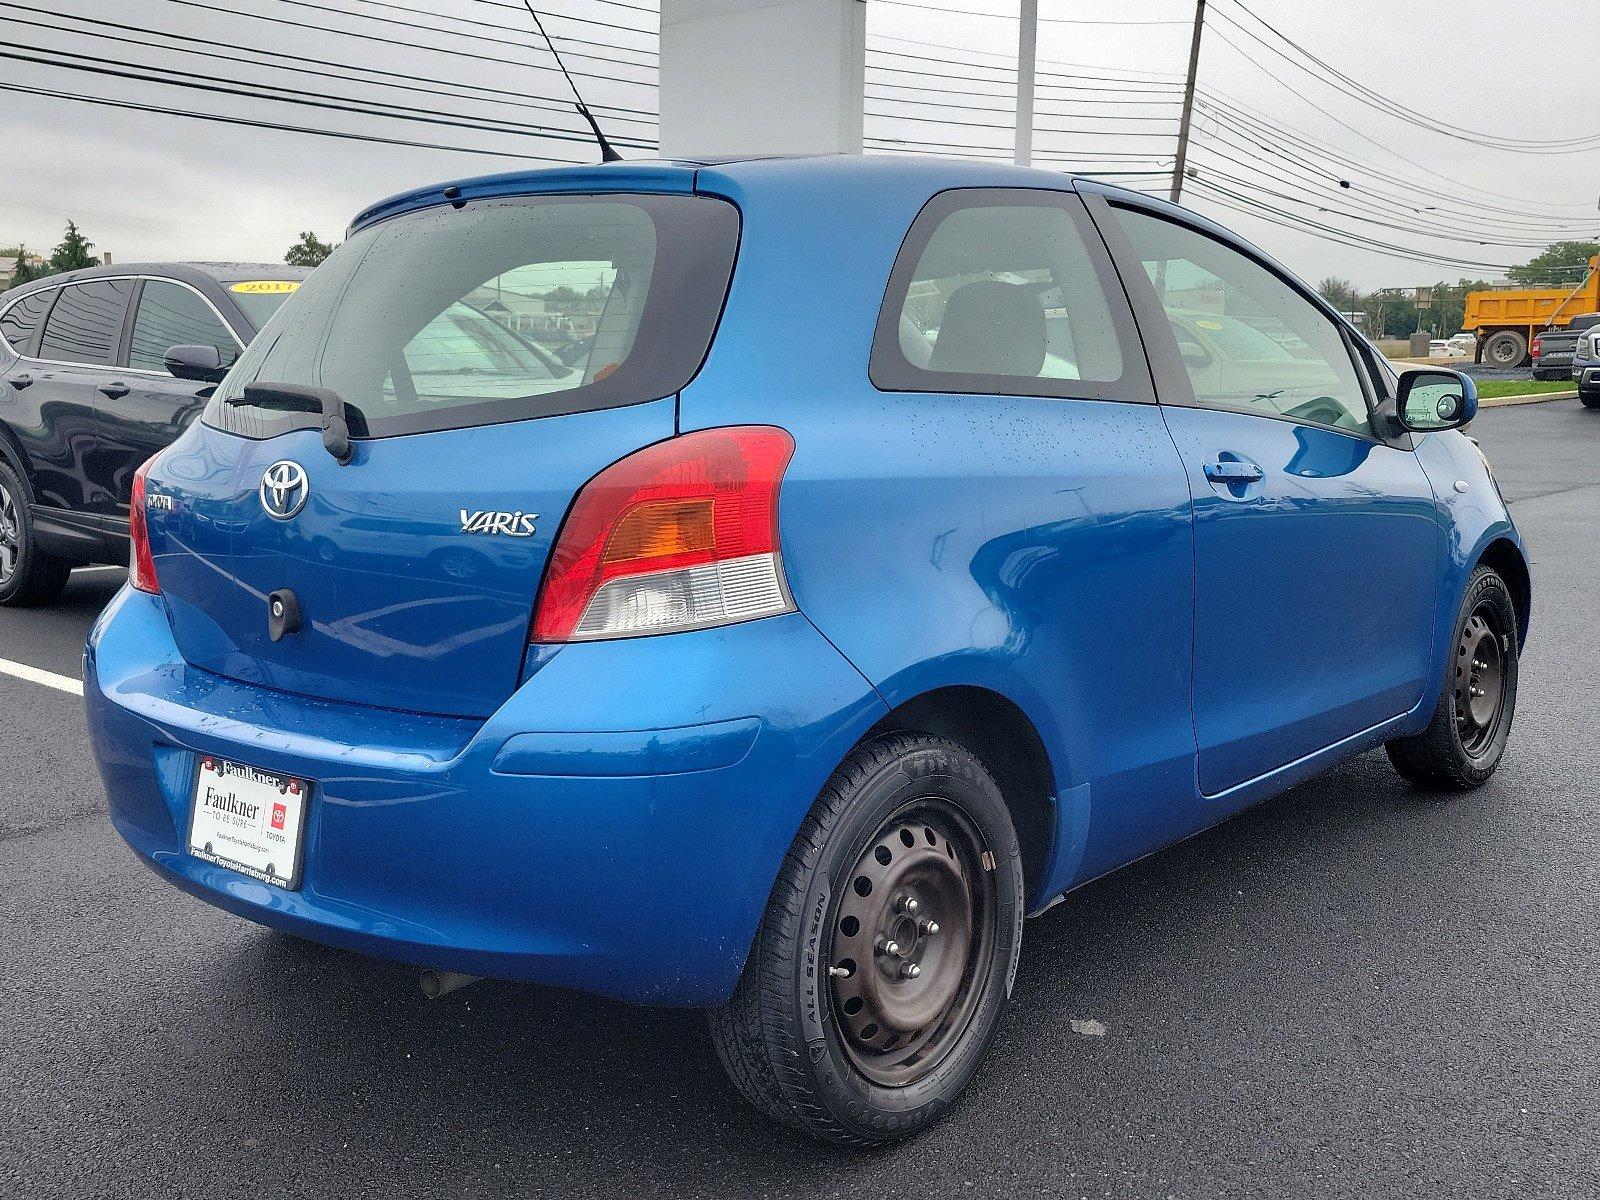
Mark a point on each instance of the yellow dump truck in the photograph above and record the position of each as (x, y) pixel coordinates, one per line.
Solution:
(1506, 320)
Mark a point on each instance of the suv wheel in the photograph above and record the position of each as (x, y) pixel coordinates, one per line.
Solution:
(888, 949)
(1590, 399)
(1466, 739)
(27, 574)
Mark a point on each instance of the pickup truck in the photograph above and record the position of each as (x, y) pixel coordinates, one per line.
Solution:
(1552, 348)
(1586, 368)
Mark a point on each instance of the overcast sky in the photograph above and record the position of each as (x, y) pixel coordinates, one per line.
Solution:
(154, 186)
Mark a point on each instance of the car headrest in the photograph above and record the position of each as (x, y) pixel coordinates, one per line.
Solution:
(991, 328)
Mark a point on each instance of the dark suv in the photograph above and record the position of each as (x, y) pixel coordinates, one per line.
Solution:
(99, 369)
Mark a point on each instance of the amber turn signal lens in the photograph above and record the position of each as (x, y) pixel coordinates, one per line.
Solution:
(662, 529)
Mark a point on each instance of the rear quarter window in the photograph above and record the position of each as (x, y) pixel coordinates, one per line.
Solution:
(501, 310)
(20, 319)
(1006, 291)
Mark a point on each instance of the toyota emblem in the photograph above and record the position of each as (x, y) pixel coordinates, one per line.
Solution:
(284, 489)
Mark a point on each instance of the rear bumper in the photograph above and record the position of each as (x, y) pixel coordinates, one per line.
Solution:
(615, 827)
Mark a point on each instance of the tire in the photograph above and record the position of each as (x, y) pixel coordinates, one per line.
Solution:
(1590, 399)
(908, 816)
(28, 575)
(1505, 348)
(1465, 741)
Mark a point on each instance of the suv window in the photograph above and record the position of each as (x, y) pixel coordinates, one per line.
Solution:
(84, 325)
(1249, 340)
(19, 321)
(1001, 291)
(502, 310)
(170, 315)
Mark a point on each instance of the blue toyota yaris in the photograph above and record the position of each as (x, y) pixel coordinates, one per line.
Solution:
(758, 585)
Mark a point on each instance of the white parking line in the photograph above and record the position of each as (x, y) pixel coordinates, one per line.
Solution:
(62, 683)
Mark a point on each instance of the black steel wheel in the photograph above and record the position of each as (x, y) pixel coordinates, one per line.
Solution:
(1480, 680)
(913, 934)
(1466, 739)
(888, 949)
(27, 574)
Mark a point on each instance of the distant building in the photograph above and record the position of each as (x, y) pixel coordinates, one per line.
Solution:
(8, 268)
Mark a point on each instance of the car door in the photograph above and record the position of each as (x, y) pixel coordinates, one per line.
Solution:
(1317, 544)
(150, 408)
(72, 371)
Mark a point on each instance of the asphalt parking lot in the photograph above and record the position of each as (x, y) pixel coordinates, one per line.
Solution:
(1354, 990)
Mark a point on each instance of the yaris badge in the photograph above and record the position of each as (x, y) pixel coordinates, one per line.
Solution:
(284, 489)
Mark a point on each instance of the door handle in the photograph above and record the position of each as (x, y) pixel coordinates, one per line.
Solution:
(115, 390)
(20, 381)
(1232, 471)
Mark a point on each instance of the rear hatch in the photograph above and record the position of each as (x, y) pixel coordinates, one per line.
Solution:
(491, 358)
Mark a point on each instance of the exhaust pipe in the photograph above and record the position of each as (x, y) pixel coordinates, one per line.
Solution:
(436, 984)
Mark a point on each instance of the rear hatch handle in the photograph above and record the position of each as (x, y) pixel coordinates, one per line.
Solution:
(294, 397)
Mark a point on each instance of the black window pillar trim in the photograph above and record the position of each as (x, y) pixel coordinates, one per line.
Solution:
(1161, 346)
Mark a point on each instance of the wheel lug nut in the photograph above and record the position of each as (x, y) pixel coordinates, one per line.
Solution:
(910, 971)
(888, 946)
(911, 904)
(930, 927)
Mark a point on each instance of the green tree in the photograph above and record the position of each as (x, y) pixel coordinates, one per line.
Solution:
(1340, 293)
(1390, 315)
(73, 254)
(25, 271)
(309, 251)
(1558, 264)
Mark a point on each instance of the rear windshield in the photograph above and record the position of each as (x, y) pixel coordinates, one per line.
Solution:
(497, 311)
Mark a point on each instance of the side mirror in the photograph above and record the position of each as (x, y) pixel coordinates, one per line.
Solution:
(202, 364)
(1431, 400)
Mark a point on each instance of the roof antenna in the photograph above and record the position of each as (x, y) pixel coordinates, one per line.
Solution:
(607, 152)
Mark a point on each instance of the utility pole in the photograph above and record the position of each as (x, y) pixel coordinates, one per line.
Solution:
(1027, 58)
(1188, 102)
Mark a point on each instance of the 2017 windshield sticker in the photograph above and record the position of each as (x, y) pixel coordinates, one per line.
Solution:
(266, 287)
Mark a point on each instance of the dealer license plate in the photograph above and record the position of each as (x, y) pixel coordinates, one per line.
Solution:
(248, 819)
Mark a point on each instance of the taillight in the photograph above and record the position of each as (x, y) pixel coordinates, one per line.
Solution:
(681, 535)
(142, 564)
(1536, 347)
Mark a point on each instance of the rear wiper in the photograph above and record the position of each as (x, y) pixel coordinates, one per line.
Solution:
(294, 397)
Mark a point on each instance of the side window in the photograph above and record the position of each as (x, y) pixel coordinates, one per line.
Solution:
(1250, 342)
(84, 325)
(170, 315)
(19, 321)
(1005, 292)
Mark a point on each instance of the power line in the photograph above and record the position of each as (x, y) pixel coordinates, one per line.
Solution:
(218, 118)
(1472, 226)
(1383, 103)
(1258, 122)
(516, 8)
(1307, 223)
(389, 79)
(388, 41)
(114, 68)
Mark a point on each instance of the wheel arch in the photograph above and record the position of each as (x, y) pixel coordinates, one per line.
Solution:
(11, 453)
(1002, 737)
(1506, 557)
